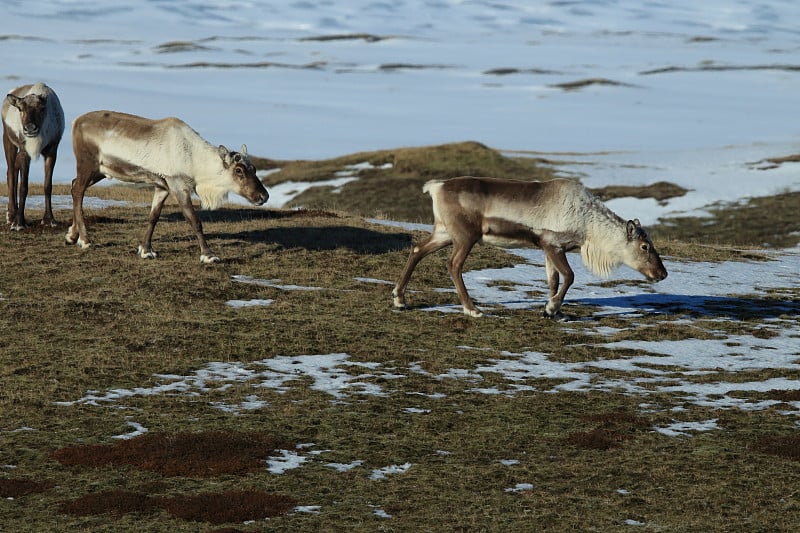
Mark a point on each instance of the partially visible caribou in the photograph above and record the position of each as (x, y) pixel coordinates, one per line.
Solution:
(33, 123)
(557, 216)
(166, 153)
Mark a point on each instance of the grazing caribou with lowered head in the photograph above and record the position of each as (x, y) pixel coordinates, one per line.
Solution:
(33, 123)
(166, 153)
(557, 216)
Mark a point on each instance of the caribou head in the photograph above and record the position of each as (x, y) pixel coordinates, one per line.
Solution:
(640, 254)
(32, 110)
(243, 174)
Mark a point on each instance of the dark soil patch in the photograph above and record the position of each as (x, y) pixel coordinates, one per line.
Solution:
(721, 68)
(391, 67)
(784, 395)
(368, 37)
(775, 162)
(255, 64)
(180, 454)
(179, 46)
(229, 506)
(505, 71)
(617, 418)
(115, 502)
(14, 488)
(596, 439)
(660, 191)
(581, 84)
(786, 446)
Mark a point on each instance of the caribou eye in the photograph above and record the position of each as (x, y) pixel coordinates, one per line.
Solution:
(646, 248)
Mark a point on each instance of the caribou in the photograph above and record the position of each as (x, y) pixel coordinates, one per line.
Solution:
(558, 216)
(33, 123)
(165, 153)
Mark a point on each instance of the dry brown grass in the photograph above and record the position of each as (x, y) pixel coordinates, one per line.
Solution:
(76, 321)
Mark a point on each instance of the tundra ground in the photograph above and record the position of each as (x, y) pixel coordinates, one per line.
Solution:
(289, 388)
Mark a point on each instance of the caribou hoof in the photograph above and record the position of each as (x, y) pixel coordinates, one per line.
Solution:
(85, 245)
(209, 259)
(399, 302)
(70, 237)
(474, 313)
(558, 316)
(49, 222)
(17, 227)
(147, 254)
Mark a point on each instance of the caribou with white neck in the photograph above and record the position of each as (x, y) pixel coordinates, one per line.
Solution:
(33, 123)
(558, 216)
(166, 153)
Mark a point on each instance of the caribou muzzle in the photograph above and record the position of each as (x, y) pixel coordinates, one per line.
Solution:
(258, 198)
(657, 274)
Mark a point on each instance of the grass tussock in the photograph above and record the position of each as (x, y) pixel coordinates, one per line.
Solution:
(402, 171)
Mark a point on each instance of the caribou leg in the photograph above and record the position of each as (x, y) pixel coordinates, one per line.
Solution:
(146, 248)
(552, 276)
(185, 201)
(24, 166)
(49, 165)
(455, 265)
(11, 150)
(77, 231)
(555, 264)
(437, 241)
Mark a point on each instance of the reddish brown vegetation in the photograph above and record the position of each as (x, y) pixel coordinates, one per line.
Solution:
(230, 506)
(182, 454)
(14, 488)
(615, 427)
(787, 446)
(179, 454)
(596, 439)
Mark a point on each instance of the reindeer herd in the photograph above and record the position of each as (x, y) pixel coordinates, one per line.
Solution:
(558, 216)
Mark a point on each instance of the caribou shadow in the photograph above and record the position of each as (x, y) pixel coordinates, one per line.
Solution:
(737, 308)
(360, 240)
(315, 238)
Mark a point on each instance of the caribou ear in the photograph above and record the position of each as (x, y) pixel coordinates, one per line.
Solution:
(225, 155)
(632, 228)
(243, 151)
(13, 100)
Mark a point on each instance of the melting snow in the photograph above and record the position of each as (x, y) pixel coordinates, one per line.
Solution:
(520, 487)
(683, 429)
(138, 430)
(381, 473)
(288, 460)
(238, 304)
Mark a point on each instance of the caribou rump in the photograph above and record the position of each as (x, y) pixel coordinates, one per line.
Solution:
(558, 216)
(33, 123)
(165, 153)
